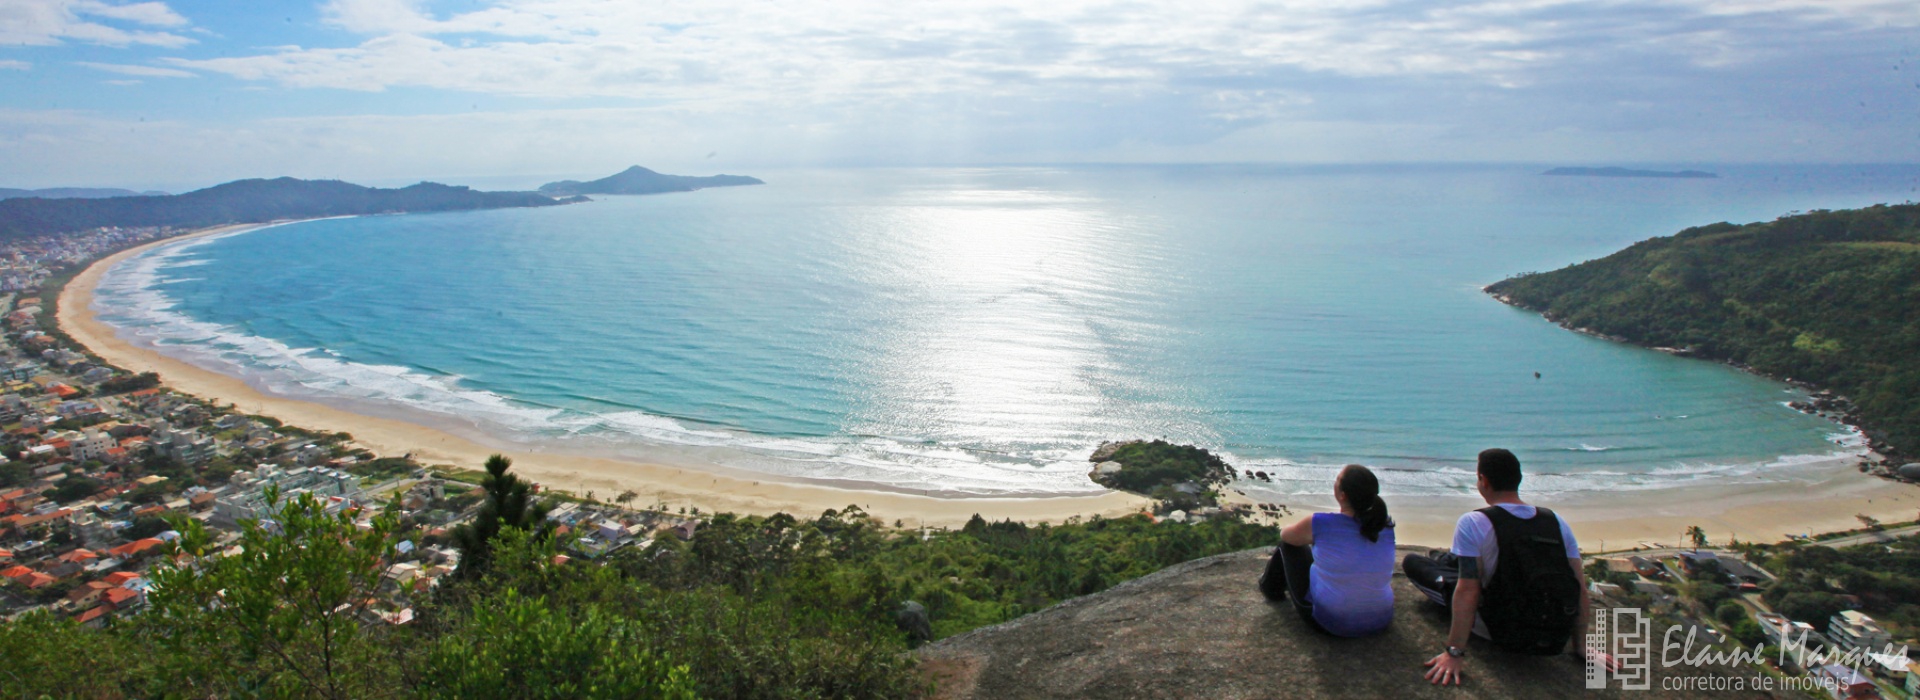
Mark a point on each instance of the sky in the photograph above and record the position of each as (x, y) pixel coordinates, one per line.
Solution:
(186, 93)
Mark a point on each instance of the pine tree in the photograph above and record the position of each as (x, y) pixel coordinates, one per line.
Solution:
(509, 503)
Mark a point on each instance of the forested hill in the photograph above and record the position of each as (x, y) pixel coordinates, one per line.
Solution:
(1831, 298)
(248, 201)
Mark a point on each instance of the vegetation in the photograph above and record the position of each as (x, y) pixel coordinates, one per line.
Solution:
(73, 488)
(136, 382)
(1180, 476)
(246, 201)
(1885, 578)
(509, 504)
(749, 607)
(1831, 298)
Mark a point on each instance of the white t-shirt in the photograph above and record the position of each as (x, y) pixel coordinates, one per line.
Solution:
(1473, 537)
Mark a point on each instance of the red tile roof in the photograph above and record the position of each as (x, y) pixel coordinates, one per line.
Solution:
(79, 555)
(135, 547)
(120, 578)
(97, 612)
(24, 520)
(120, 595)
(37, 580)
(16, 572)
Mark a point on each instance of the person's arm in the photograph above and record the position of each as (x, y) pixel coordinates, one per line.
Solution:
(1577, 646)
(1299, 533)
(1446, 668)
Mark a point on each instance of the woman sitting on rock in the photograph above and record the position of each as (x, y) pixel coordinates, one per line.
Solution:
(1337, 568)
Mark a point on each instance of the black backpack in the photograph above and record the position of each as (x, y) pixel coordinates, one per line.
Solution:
(1532, 601)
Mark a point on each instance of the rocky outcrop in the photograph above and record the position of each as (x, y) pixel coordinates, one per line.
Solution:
(1201, 630)
(1105, 451)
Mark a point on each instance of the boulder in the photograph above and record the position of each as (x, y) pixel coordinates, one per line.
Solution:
(1202, 630)
(1910, 472)
(912, 619)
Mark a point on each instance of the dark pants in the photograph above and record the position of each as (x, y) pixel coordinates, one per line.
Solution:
(1287, 578)
(1434, 576)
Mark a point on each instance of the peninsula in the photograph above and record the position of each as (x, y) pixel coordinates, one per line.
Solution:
(1628, 172)
(1824, 299)
(638, 180)
(245, 202)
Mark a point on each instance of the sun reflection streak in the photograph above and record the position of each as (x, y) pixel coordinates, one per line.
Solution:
(1000, 348)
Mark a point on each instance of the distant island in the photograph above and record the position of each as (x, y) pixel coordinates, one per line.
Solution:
(638, 180)
(248, 201)
(1825, 298)
(75, 193)
(1629, 172)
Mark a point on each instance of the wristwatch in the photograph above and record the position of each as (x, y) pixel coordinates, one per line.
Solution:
(1456, 652)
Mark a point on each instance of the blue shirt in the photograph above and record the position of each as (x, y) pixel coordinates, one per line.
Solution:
(1351, 582)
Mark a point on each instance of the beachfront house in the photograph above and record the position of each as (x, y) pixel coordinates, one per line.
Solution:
(1644, 566)
(1852, 629)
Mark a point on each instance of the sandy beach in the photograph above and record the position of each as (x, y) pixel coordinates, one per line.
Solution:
(1818, 497)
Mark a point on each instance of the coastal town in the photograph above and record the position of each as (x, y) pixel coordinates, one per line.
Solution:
(97, 464)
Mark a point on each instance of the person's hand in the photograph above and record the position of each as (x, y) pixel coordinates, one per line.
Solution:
(1445, 669)
(1607, 660)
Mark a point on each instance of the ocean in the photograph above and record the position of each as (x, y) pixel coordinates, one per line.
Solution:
(978, 331)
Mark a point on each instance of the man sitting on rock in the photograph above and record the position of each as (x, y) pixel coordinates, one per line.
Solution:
(1513, 577)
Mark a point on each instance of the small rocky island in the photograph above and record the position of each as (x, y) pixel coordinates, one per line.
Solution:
(1629, 172)
(638, 180)
(1180, 479)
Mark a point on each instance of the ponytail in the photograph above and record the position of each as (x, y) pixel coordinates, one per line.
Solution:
(1362, 490)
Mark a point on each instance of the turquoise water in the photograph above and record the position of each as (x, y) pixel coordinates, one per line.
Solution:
(980, 330)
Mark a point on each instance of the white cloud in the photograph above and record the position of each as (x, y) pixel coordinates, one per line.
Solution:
(149, 13)
(15, 65)
(946, 81)
(737, 51)
(142, 71)
(52, 22)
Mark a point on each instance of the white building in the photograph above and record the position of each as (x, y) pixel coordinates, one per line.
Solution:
(1852, 629)
(93, 445)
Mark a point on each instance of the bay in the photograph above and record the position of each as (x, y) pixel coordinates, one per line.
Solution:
(980, 330)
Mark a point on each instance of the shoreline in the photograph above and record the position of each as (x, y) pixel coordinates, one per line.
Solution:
(1818, 497)
(675, 486)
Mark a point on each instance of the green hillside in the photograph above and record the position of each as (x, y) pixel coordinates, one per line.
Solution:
(248, 201)
(1831, 298)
